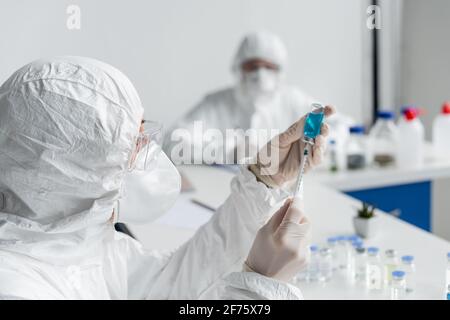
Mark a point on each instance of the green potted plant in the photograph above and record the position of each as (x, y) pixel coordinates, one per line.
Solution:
(366, 223)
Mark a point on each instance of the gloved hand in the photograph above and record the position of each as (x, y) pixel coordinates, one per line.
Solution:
(279, 160)
(280, 249)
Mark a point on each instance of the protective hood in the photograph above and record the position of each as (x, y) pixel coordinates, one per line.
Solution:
(67, 129)
(250, 94)
(261, 45)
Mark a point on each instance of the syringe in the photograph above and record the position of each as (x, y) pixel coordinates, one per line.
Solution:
(299, 187)
(311, 130)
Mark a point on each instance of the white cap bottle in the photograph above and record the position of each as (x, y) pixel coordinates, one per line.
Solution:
(410, 151)
(441, 132)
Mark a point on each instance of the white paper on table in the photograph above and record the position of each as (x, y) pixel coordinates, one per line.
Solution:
(185, 214)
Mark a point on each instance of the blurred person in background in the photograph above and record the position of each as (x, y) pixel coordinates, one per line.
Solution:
(260, 99)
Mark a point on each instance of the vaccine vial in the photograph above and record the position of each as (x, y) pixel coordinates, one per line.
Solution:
(332, 245)
(313, 123)
(353, 243)
(398, 285)
(313, 265)
(374, 271)
(325, 265)
(390, 264)
(409, 267)
(343, 252)
(360, 264)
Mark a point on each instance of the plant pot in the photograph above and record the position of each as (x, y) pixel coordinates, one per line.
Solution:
(366, 228)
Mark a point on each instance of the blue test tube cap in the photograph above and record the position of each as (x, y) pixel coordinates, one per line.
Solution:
(314, 248)
(373, 250)
(408, 259)
(398, 274)
(341, 238)
(332, 239)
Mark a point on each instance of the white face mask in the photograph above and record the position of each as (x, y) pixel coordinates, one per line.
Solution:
(148, 194)
(261, 82)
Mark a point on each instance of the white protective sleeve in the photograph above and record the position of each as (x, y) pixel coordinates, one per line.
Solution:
(208, 265)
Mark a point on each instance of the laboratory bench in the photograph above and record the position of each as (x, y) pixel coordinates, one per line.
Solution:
(329, 218)
(419, 195)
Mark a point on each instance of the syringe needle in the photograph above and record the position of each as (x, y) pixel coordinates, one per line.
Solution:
(299, 187)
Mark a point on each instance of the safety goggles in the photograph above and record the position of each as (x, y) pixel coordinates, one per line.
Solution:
(147, 146)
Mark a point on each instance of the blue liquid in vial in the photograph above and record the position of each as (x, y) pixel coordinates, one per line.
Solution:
(313, 124)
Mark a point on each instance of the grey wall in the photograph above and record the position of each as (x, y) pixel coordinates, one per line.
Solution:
(425, 75)
(176, 50)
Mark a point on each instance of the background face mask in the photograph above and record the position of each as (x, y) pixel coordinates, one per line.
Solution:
(260, 82)
(149, 194)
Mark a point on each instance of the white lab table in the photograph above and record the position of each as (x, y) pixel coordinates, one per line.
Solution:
(331, 213)
(434, 167)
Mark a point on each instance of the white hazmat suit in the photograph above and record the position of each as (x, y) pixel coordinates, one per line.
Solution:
(66, 134)
(239, 107)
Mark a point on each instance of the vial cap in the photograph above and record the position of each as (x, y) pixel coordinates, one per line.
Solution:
(448, 255)
(360, 250)
(332, 239)
(353, 238)
(317, 108)
(412, 113)
(373, 250)
(357, 244)
(357, 129)
(388, 115)
(314, 248)
(341, 238)
(398, 274)
(446, 108)
(408, 259)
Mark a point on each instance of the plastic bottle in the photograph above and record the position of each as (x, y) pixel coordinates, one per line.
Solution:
(409, 267)
(375, 271)
(325, 265)
(398, 285)
(384, 139)
(390, 264)
(356, 149)
(441, 132)
(313, 265)
(410, 151)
